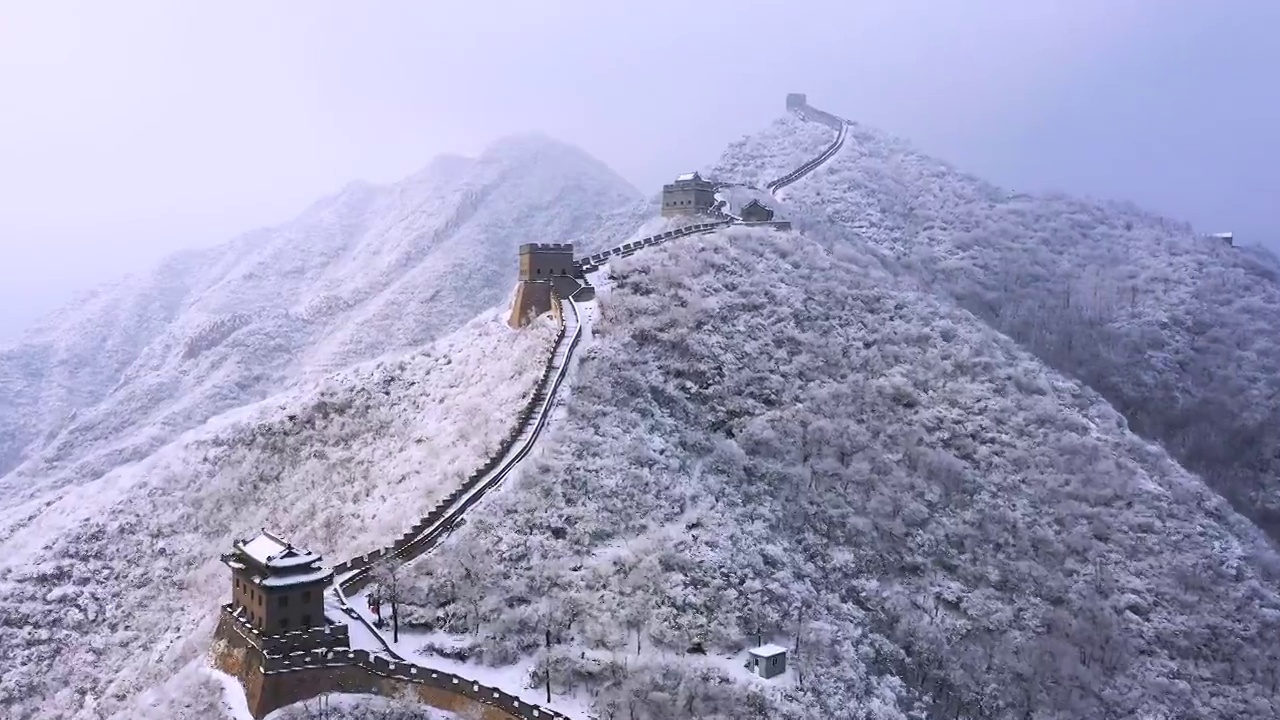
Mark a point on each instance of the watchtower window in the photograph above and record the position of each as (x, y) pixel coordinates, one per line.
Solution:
(284, 601)
(284, 623)
(306, 596)
(306, 621)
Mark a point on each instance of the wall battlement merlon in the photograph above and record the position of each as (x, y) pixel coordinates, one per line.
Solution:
(546, 247)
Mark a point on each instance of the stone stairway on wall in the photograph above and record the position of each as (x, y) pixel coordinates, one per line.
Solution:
(424, 534)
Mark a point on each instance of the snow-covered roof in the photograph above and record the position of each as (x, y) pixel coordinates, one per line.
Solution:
(270, 551)
(1223, 235)
(768, 650)
(318, 575)
(688, 176)
(755, 202)
(263, 547)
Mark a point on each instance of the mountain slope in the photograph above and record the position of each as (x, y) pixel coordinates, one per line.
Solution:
(368, 271)
(1180, 333)
(109, 589)
(764, 436)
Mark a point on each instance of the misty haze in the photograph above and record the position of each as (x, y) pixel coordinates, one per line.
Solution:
(876, 360)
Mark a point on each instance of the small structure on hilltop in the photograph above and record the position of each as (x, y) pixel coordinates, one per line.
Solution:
(276, 587)
(548, 272)
(767, 660)
(756, 211)
(796, 102)
(690, 194)
(1225, 237)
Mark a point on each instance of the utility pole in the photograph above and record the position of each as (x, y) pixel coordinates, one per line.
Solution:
(799, 627)
(548, 661)
(799, 631)
(755, 617)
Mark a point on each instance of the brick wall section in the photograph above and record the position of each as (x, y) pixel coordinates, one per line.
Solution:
(319, 638)
(533, 298)
(272, 681)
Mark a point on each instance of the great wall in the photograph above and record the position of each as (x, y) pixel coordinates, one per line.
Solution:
(282, 668)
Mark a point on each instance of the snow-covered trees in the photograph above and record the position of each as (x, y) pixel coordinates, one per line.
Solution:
(1176, 331)
(968, 531)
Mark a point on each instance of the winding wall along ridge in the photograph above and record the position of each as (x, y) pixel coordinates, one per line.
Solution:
(434, 518)
(593, 263)
(356, 573)
(446, 515)
(543, 399)
(811, 165)
(426, 532)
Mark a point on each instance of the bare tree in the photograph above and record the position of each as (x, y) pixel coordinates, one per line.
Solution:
(386, 583)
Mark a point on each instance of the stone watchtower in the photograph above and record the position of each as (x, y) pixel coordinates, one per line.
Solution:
(755, 211)
(275, 587)
(690, 194)
(796, 102)
(275, 620)
(547, 271)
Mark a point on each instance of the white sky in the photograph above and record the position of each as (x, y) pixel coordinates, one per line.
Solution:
(132, 129)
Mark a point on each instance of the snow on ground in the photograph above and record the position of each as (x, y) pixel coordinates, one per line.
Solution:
(362, 636)
(351, 706)
(414, 647)
(234, 704)
(512, 678)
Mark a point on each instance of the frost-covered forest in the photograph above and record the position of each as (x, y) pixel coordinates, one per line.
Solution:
(106, 592)
(1179, 332)
(766, 440)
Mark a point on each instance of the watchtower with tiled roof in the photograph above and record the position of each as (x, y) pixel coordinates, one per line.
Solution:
(276, 587)
(690, 194)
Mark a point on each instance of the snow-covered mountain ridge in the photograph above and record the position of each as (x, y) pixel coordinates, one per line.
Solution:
(1178, 331)
(368, 271)
(768, 423)
(109, 589)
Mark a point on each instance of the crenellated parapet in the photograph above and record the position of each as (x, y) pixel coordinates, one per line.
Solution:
(280, 670)
(547, 272)
(543, 261)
